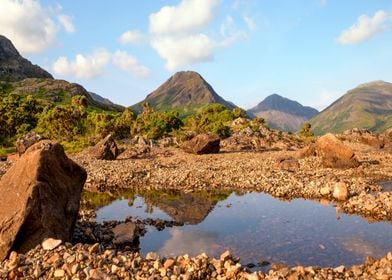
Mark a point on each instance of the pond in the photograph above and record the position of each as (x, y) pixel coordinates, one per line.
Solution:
(253, 226)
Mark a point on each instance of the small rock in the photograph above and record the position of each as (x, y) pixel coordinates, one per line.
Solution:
(124, 233)
(339, 269)
(59, 273)
(75, 268)
(225, 256)
(340, 191)
(152, 256)
(169, 263)
(325, 190)
(94, 248)
(50, 243)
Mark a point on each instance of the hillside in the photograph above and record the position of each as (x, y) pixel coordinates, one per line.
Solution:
(13, 67)
(367, 106)
(282, 113)
(53, 92)
(185, 92)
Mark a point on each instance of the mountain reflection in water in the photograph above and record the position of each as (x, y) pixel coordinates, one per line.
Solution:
(254, 227)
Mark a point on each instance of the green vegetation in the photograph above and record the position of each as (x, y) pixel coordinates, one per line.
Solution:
(305, 131)
(212, 118)
(366, 106)
(18, 115)
(75, 123)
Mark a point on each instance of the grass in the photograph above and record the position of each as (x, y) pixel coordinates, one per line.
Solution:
(7, 150)
(76, 145)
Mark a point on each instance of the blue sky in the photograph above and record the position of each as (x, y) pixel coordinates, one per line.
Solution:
(311, 51)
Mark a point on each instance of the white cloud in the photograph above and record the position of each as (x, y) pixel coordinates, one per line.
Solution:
(28, 25)
(230, 33)
(187, 16)
(84, 66)
(67, 23)
(130, 64)
(177, 33)
(93, 65)
(132, 37)
(250, 22)
(365, 28)
(184, 50)
(226, 26)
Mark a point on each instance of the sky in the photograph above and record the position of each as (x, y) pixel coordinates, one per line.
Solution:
(311, 51)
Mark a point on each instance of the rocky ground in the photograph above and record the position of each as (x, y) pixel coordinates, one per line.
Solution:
(279, 173)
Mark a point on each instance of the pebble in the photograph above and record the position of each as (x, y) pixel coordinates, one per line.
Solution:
(50, 243)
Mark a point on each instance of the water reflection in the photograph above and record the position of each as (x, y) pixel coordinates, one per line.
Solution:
(190, 242)
(386, 186)
(255, 227)
(186, 208)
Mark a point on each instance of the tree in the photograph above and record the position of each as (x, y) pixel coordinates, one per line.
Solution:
(306, 130)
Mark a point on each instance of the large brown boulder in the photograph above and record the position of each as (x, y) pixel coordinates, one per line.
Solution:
(105, 149)
(202, 144)
(24, 142)
(334, 153)
(40, 198)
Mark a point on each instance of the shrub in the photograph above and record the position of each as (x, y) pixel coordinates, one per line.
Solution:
(154, 125)
(212, 118)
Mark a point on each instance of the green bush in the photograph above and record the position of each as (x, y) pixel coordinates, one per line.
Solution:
(17, 116)
(63, 122)
(305, 131)
(154, 125)
(212, 118)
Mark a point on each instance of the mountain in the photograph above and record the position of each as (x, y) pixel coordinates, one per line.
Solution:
(282, 113)
(13, 67)
(184, 91)
(101, 99)
(53, 91)
(367, 106)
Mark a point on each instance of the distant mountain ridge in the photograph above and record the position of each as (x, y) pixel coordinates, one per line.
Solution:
(283, 113)
(367, 106)
(13, 67)
(184, 91)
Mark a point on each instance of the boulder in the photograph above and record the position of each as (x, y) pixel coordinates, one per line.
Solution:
(307, 151)
(40, 198)
(287, 163)
(202, 144)
(23, 143)
(105, 149)
(334, 153)
(124, 233)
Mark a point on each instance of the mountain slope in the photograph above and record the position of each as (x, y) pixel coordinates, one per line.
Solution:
(184, 91)
(13, 67)
(282, 113)
(367, 106)
(53, 91)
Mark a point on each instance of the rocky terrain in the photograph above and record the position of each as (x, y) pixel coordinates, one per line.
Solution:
(13, 67)
(282, 172)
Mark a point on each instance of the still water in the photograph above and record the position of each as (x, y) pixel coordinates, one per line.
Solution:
(255, 227)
